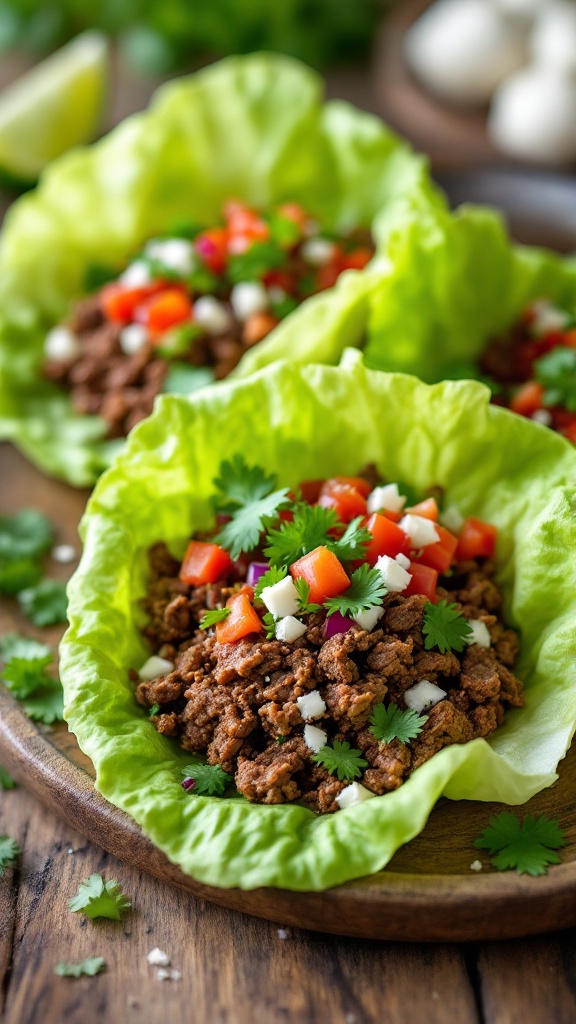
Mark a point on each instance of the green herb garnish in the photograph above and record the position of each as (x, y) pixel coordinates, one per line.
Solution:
(341, 760)
(272, 576)
(212, 618)
(367, 588)
(91, 966)
(97, 898)
(46, 603)
(209, 779)
(303, 589)
(445, 627)
(247, 495)
(9, 851)
(392, 723)
(556, 371)
(529, 846)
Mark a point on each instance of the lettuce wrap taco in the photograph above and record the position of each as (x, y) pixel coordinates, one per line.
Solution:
(239, 177)
(301, 424)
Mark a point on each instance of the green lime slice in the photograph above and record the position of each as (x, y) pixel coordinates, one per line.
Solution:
(56, 105)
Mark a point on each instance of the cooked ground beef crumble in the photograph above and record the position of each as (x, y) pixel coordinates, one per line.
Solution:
(236, 703)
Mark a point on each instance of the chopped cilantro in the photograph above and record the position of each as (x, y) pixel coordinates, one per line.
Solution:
(247, 495)
(529, 846)
(9, 851)
(14, 646)
(556, 371)
(272, 576)
(284, 231)
(18, 574)
(303, 588)
(91, 966)
(258, 260)
(444, 627)
(153, 710)
(209, 779)
(391, 723)
(179, 341)
(211, 618)
(97, 898)
(240, 484)
(28, 534)
(6, 781)
(243, 531)
(308, 529)
(46, 705)
(341, 760)
(367, 588)
(46, 603)
(270, 621)
(26, 676)
(281, 739)
(23, 676)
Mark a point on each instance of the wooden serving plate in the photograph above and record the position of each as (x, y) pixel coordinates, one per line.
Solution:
(428, 891)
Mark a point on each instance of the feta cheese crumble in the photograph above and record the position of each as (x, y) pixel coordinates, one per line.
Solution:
(317, 251)
(311, 705)
(423, 695)
(248, 298)
(403, 561)
(154, 667)
(212, 315)
(289, 629)
(64, 553)
(61, 343)
(355, 793)
(158, 958)
(421, 531)
(394, 575)
(480, 634)
(476, 865)
(368, 619)
(174, 253)
(136, 275)
(133, 338)
(452, 519)
(315, 738)
(282, 598)
(387, 497)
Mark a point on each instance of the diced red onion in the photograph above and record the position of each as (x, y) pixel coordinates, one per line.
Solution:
(337, 623)
(255, 571)
(188, 784)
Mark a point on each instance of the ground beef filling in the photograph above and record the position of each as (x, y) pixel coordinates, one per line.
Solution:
(237, 703)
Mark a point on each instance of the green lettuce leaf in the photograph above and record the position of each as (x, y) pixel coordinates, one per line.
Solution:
(253, 128)
(326, 420)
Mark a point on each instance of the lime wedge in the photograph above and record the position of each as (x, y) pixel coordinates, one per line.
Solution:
(56, 105)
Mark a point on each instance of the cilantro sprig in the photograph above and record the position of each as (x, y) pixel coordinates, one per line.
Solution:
(214, 617)
(46, 603)
(26, 675)
(270, 621)
(367, 588)
(9, 851)
(98, 898)
(529, 846)
(312, 526)
(341, 760)
(209, 779)
(272, 576)
(445, 627)
(556, 371)
(91, 966)
(248, 496)
(24, 538)
(392, 723)
(307, 607)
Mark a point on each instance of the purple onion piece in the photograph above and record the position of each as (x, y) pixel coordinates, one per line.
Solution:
(188, 784)
(255, 571)
(337, 623)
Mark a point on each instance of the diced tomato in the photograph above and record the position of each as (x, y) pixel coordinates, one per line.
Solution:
(387, 538)
(212, 247)
(119, 303)
(242, 221)
(204, 563)
(424, 580)
(294, 212)
(394, 517)
(569, 338)
(257, 326)
(477, 540)
(428, 509)
(310, 490)
(327, 276)
(357, 259)
(322, 572)
(441, 555)
(347, 495)
(167, 309)
(528, 399)
(242, 621)
(569, 431)
(281, 279)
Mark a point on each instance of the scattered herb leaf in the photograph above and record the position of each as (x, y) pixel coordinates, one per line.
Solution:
(14, 646)
(9, 851)
(18, 574)
(28, 534)
(6, 781)
(341, 760)
(303, 588)
(392, 723)
(308, 529)
(153, 710)
(444, 627)
(46, 705)
(367, 588)
(209, 779)
(529, 846)
(212, 618)
(352, 544)
(97, 898)
(23, 676)
(556, 371)
(45, 604)
(93, 965)
(275, 574)
(270, 621)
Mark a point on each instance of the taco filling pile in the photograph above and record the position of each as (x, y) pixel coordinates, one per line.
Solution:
(189, 306)
(320, 645)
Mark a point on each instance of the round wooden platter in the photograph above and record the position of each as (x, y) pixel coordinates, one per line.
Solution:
(428, 892)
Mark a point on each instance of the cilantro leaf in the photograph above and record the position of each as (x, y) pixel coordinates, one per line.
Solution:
(303, 588)
(97, 898)
(243, 531)
(529, 846)
(6, 781)
(241, 484)
(209, 779)
(17, 574)
(556, 371)
(153, 710)
(270, 621)
(45, 604)
(14, 646)
(91, 966)
(23, 676)
(272, 576)
(9, 851)
(308, 529)
(353, 542)
(341, 760)
(211, 618)
(257, 261)
(444, 627)
(28, 534)
(367, 588)
(46, 705)
(391, 723)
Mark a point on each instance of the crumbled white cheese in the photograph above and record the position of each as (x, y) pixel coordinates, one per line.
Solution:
(248, 298)
(387, 497)
(174, 253)
(547, 318)
(476, 865)
(155, 667)
(394, 575)
(61, 344)
(290, 629)
(282, 598)
(420, 530)
(543, 416)
(212, 315)
(133, 338)
(368, 619)
(480, 634)
(282, 933)
(315, 738)
(168, 974)
(353, 794)
(311, 705)
(136, 275)
(403, 561)
(317, 251)
(452, 519)
(64, 553)
(158, 958)
(423, 695)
